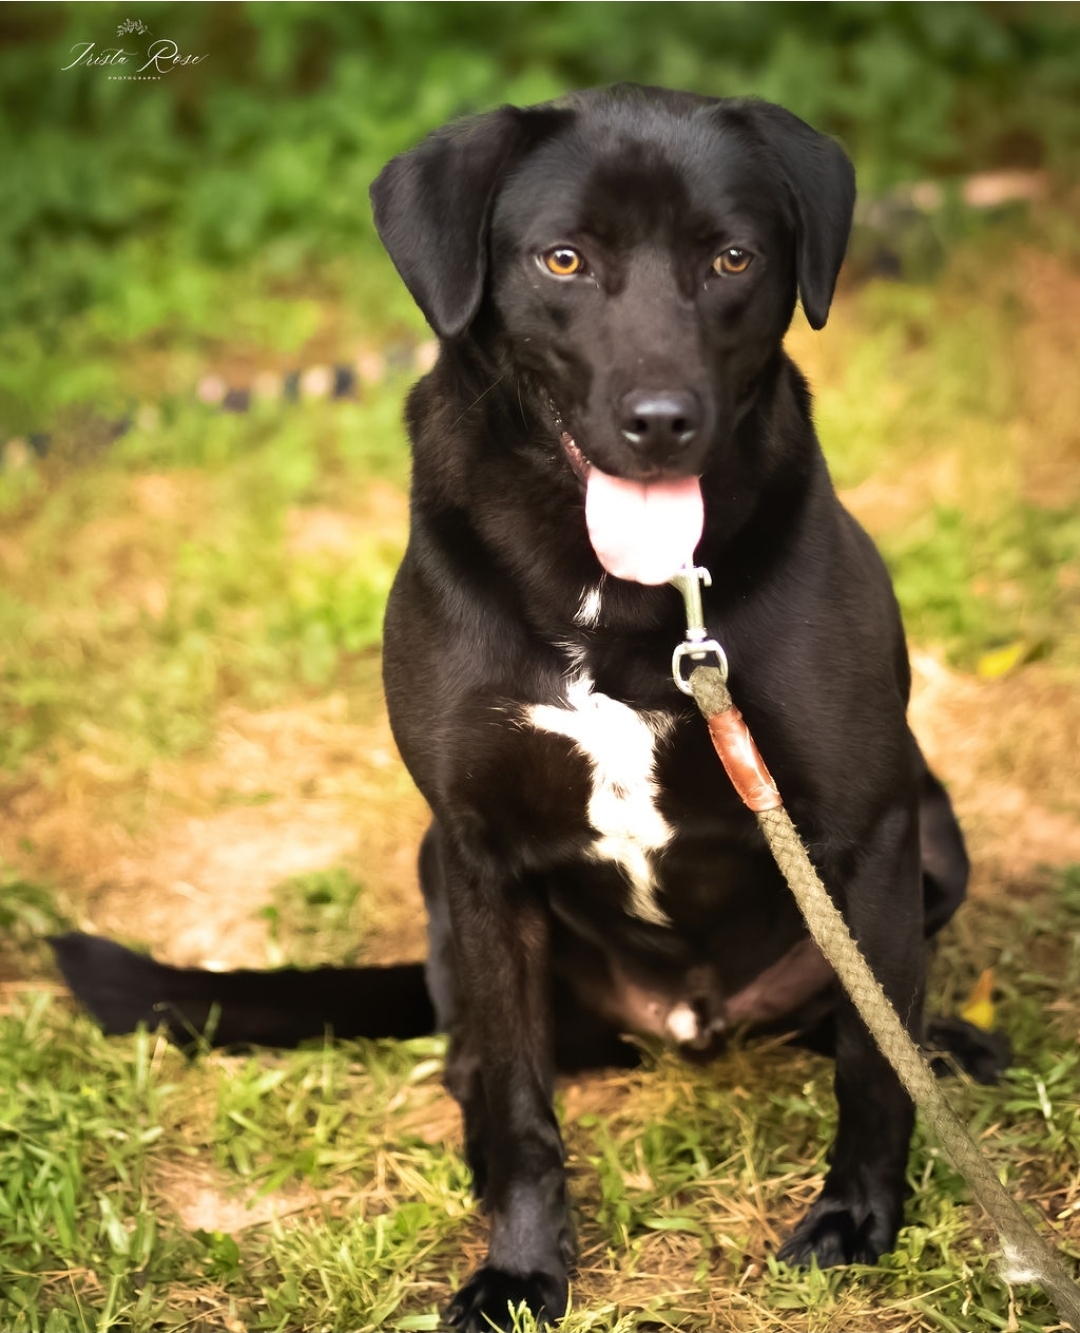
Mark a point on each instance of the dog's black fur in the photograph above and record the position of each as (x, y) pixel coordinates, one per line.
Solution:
(539, 956)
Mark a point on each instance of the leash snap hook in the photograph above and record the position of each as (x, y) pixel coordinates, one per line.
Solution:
(697, 646)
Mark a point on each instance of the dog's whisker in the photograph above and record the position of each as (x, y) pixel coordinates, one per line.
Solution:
(478, 399)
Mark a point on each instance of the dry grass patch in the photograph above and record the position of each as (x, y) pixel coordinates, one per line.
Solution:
(1008, 750)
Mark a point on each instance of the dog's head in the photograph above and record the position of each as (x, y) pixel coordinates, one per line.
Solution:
(633, 257)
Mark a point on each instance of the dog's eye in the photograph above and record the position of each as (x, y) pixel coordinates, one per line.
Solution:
(563, 261)
(732, 260)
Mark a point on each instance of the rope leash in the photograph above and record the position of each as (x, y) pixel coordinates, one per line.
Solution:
(1028, 1258)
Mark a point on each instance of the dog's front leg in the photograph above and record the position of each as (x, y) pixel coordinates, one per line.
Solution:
(859, 1211)
(501, 939)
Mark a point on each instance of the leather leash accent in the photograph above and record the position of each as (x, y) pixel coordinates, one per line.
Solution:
(1027, 1256)
(742, 759)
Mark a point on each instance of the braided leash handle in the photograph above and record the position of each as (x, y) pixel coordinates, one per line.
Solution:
(1028, 1258)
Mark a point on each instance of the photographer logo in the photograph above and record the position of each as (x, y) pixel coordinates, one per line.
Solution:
(160, 57)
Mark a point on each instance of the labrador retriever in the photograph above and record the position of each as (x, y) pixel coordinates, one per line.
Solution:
(611, 277)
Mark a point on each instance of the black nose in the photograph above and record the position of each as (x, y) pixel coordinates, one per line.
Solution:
(660, 422)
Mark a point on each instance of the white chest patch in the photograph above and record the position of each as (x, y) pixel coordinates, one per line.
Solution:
(620, 743)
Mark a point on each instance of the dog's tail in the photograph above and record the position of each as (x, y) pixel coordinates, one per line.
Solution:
(122, 989)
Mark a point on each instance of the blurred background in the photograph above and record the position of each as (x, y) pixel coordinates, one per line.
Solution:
(208, 205)
(203, 358)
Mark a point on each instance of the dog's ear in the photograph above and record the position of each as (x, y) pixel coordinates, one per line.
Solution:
(433, 206)
(822, 183)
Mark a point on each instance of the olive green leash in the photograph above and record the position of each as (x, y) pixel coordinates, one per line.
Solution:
(1027, 1256)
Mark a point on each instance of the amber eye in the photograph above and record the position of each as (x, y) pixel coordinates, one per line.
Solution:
(732, 260)
(563, 261)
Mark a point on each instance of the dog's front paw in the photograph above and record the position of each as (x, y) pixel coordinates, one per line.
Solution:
(487, 1301)
(843, 1231)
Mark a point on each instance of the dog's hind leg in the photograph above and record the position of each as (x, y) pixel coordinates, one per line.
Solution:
(945, 865)
(952, 1042)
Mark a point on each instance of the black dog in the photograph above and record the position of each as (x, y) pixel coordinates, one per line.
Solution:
(611, 278)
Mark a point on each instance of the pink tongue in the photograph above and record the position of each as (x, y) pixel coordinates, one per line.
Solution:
(643, 531)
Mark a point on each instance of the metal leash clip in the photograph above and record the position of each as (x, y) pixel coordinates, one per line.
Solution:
(697, 646)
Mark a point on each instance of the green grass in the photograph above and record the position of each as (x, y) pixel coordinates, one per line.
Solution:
(317, 917)
(672, 1175)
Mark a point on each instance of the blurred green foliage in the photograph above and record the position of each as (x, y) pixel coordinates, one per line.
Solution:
(972, 585)
(123, 202)
(124, 630)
